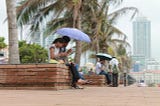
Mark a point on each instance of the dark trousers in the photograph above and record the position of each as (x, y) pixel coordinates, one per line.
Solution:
(115, 79)
(75, 73)
(106, 75)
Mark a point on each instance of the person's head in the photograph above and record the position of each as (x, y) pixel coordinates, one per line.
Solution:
(102, 61)
(66, 39)
(59, 42)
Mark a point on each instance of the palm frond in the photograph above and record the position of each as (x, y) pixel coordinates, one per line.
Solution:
(114, 16)
(28, 8)
(115, 2)
(55, 24)
(123, 42)
(112, 30)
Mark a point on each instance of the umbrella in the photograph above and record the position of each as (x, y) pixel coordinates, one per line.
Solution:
(74, 34)
(104, 56)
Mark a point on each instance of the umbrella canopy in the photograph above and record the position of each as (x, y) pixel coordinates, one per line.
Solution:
(74, 34)
(104, 56)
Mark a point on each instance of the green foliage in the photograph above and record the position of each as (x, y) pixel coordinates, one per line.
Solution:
(32, 53)
(111, 51)
(121, 50)
(123, 57)
(2, 43)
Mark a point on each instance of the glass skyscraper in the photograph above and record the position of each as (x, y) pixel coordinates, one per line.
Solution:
(141, 42)
(142, 37)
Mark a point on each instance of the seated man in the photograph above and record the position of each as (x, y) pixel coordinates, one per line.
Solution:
(77, 78)
(100, 70)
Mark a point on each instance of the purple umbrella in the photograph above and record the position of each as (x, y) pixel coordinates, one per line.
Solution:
(74, 34)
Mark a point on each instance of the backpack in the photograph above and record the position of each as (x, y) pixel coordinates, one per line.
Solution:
(115, 69)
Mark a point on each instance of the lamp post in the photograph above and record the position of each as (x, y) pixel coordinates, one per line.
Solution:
(125, 77)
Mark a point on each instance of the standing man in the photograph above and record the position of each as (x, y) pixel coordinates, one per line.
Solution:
(114, 67)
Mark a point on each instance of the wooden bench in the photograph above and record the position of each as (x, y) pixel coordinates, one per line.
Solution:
(35, 76)
(97, 80)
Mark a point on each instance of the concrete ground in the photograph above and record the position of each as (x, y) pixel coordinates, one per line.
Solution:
(92, 96)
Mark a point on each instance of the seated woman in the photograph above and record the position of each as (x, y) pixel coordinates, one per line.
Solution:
(55, 48)
(57, 55)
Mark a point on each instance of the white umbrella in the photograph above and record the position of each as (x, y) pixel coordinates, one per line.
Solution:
(104, 56)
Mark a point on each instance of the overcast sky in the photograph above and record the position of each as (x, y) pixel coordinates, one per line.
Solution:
(147, 8)
(3, 26)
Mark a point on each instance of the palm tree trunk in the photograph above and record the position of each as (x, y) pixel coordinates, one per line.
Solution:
(77, 24)
(97, 36)
(97, 44)
(13, 33)
(78, 44)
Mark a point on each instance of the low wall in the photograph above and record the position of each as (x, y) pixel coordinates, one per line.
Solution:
(34, 76)
(97, 80)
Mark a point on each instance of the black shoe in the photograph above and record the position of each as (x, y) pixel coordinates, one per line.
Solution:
(77, 87)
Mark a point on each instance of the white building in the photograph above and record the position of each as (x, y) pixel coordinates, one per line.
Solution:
(152, 64)
(86, 58)
(149, 77)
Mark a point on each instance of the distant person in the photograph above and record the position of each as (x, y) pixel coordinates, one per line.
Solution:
(90, 72)
(100, 70)
(114, 67)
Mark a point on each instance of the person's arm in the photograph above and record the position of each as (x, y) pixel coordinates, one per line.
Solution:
(52, 55)
(69, 51)
(65, 54)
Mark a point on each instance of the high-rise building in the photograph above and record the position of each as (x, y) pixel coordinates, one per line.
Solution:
(142, 37)
(141, 41)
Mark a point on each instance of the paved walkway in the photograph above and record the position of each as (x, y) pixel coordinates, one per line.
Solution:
(102, 96)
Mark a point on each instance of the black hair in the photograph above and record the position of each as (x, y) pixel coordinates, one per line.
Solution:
(101, 59)
(66, 38)
(113, 57)
(60, 40)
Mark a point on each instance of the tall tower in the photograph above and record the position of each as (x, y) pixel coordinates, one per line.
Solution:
(141, 42)
(142, 37)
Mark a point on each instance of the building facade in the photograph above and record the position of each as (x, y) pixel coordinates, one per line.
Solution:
(142, 37)
(152, 64)
(149, 76)
(141, 40)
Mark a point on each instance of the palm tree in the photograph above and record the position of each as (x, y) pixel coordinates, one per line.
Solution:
(91, 16)
(13, 33)
(34, 12)
(101, 26)
(123, 57)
